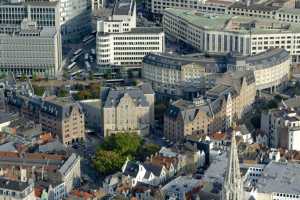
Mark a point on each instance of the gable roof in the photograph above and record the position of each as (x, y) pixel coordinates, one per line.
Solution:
(155, 169)
(131, 169)
(111, 97)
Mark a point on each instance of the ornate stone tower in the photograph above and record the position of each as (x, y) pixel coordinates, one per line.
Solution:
(233, 184)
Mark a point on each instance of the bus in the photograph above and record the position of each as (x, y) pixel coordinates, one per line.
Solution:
(71, 65)
(98, 75)
(77, 52)
(86, 56)
(117, 80)
(87, 65)
(86, 39)
(75, 58)
(77, 72)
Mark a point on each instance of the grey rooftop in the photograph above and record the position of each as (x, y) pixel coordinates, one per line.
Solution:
(123, 7)
(13, 185)
(280, 178)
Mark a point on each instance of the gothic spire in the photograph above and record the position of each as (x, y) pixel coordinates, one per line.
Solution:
(233, 185)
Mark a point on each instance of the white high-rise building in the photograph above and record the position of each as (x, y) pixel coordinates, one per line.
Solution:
(120, 42)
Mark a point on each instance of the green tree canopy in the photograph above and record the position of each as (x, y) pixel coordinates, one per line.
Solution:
(38, 90)
(108, 161)
(147, 150)
(119, 147)
(123, 143)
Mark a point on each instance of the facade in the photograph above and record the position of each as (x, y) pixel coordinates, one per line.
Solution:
(157, 7)
(229, 99)
(168, 72)
(122, 19)
(129, 49)
(64, 118)
(271, 68)
(280, 125)
(285, 11)
(120, 42)
(60, 116)
(60, 169)
(92, 113)
(44, 57)
(294, 139)
(16, 190)
(75, 19)
(98, 4)
(70, 17)
(231, 34)
(191, 75)
(45, 12)
(129, 109)
(27, 29)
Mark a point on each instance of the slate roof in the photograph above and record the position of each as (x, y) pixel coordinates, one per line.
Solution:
(132, 169)
(13, 185)
(281, 178)
(266, 59)
(155, 169)
(188, 110)
(111, 96)
(59, 107)
(9, 147)
(175, 61)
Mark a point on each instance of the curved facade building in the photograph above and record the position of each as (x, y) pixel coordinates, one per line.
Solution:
(170, 73)
(271, 68)
(226, 33)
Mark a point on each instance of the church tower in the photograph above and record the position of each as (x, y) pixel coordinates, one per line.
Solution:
(233, 184)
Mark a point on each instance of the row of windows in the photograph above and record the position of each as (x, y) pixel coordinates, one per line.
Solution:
(136, 43)
(137, 38)
(136, 48)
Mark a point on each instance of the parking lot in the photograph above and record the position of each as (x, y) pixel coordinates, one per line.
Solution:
(80, 59)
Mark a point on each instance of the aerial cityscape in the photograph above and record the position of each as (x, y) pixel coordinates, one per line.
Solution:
(149, 100)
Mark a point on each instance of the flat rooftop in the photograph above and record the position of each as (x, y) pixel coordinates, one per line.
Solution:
(281, 178)
(217, 169)
(123, 7)
(236, 24)
(137, 30)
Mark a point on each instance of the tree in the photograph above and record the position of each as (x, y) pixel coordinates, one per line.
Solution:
(23, 77)
(62, 93)
(107, 162)
(95, 90)
(82, 95)
(147, 150)
(126, 144)
(38, 90)
(113, 152)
